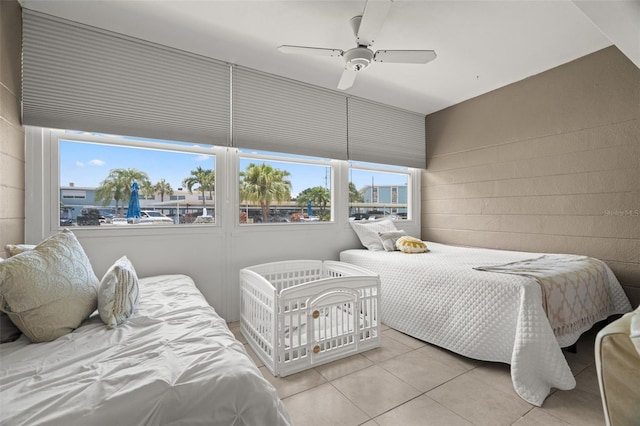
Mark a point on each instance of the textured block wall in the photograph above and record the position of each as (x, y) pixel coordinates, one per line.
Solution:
(547, 164)
(11, 132)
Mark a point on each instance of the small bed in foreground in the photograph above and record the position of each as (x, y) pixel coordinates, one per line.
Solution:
(440, 298)
(173, 362)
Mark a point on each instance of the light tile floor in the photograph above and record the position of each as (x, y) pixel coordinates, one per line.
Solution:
(408, 382)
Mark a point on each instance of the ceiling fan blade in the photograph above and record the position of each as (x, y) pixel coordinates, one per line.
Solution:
(315, 51)
(405, 56)
(375, 12)
(347, 79)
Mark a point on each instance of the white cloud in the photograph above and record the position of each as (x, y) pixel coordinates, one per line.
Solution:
(203, 157)
(79, 164)
(97, 163)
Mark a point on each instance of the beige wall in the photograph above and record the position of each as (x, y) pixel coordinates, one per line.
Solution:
(11, 131)
(547, 164)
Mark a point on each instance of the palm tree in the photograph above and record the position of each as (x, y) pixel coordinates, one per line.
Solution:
(206, 179)
(146, 190)
(210, 182)
(129, 176)
(111, 188)
(117, 186)
(318, 195)
(264, 184)
(163, 187)
(354, 195)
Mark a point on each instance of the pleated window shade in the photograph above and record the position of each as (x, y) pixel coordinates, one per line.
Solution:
(281, 115)
(83, 78)
(386, 135)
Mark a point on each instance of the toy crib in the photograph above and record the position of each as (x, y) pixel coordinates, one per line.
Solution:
(302, 313)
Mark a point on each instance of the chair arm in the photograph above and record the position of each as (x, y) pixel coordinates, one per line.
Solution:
(618, 368)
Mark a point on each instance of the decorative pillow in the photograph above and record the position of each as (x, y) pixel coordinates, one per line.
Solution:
(118, 293)
(8, 330)
(48, 291)
(367, 231)
(389, 239)
(635, 329)
(411, 245)
(13, 249)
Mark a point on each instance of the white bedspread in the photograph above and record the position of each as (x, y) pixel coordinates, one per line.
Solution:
(438, 297)
(174, 362)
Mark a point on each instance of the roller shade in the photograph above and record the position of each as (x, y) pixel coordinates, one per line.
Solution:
(83, 78)
(277, 114)
(386, 135)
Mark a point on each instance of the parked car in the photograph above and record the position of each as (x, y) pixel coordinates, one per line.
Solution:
(106, 215)
(66, 221)
(359, 216)
(279, 219)
(154, 218)
(89, 217)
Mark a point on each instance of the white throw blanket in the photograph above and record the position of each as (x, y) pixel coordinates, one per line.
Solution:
(574, 290)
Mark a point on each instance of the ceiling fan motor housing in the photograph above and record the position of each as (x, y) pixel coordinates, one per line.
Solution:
(358, 58)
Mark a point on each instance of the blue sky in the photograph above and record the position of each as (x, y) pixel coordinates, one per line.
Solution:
(87, 164)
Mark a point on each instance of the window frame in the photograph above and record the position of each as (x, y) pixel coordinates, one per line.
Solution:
(413, 186)
(320, 162)
(42, 175)
(44, 144)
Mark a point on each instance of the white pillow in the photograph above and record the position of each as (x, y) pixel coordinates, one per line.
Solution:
(48, 291)
(367, 231)
(389, 239)
(118, 293)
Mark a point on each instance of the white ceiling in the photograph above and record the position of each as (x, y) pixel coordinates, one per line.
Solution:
(481, 45)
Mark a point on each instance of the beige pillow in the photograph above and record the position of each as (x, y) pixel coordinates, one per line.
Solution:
(118, 293)
(635, 329)
(14, 249)
(389, 239)
(367, 231)
(48, 291)
(411, 245)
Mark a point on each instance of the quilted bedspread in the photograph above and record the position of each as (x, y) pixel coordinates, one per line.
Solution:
(174, 362)
(440, 298)
(574, 288)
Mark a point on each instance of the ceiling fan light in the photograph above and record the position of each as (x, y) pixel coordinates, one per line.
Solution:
(358, 58)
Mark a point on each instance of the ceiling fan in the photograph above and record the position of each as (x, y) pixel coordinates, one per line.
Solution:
(365, 28)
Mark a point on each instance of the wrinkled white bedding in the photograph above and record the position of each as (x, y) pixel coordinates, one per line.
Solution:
(174, 362)
(438, 297)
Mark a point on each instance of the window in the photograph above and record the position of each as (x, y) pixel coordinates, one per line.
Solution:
(377, 191)
(278, 188)
(105, 167)
(73, 193)
(86, 181)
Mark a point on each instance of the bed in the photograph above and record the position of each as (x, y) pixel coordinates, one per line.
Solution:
(440, 298)
(173, 362)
